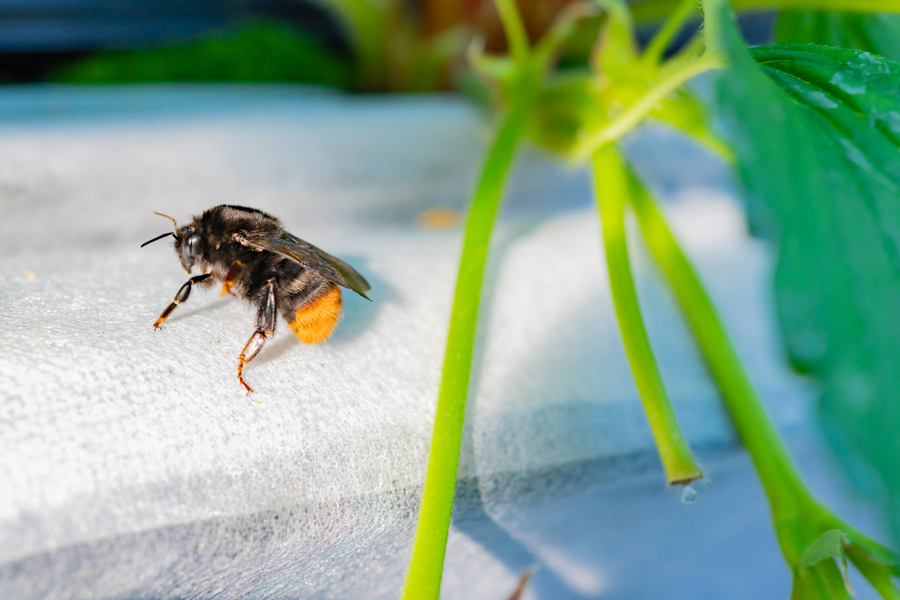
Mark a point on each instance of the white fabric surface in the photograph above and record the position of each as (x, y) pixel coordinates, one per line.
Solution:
(134, 465)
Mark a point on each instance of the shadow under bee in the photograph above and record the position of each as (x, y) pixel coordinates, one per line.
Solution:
(189, 314)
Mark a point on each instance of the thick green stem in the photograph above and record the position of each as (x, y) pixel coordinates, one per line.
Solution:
(611, 189)
(423, 581)
(781, 480)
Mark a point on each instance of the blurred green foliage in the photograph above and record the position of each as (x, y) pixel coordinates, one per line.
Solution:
(258, 51)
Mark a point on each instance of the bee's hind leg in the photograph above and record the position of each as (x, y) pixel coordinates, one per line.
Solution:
(180, 297)
(265, 326)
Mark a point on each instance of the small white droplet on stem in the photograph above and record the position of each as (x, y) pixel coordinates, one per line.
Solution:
(688, 495)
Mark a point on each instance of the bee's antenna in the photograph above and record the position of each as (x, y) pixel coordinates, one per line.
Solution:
(174, 222)
(159, 237)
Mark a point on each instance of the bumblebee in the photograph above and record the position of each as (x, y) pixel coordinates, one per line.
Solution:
(255, 259)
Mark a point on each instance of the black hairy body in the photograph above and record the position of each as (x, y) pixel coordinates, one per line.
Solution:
(217, 252)
(255, 259)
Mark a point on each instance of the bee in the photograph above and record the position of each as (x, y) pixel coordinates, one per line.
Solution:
(255, 259)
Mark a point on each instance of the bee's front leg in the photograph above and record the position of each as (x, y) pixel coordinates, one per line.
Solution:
(180, 297)
(265, 326)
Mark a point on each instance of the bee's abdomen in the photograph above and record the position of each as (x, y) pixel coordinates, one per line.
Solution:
(315, 320)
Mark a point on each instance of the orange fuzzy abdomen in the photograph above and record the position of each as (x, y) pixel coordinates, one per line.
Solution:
(315, 321)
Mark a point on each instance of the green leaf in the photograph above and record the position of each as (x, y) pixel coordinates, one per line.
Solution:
(822, 581)
(815, 132)
(829, 545)
(878, 33)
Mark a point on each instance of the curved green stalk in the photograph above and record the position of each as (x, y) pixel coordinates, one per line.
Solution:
(423, 581)
(780, 478)
(799, 519)
(611, 188)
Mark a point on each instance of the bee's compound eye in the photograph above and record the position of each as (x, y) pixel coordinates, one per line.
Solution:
(189, 249)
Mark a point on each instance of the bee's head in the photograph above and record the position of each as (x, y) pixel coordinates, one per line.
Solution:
(187, 243)
(188, 246)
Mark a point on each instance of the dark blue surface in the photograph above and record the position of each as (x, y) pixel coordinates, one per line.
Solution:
(84, 25)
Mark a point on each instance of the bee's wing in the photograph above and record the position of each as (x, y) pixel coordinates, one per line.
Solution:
(333, 269)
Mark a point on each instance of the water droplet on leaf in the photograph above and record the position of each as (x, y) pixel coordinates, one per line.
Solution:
(848, 84)
(688, 495)
(893, 119)
(821, 100)
(870, 64)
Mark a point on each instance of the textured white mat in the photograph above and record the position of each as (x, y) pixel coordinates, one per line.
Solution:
(133, 464)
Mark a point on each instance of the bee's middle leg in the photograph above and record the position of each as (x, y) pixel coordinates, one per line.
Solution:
(265, 326)
(234, 273)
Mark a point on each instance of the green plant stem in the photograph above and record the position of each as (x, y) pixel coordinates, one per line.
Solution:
(517, 38)
(877, 577)
(611, 189)
(780, 479)
(656, 10)
(657, 46)
(798, 517)
(635, 113)
(423, 580)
